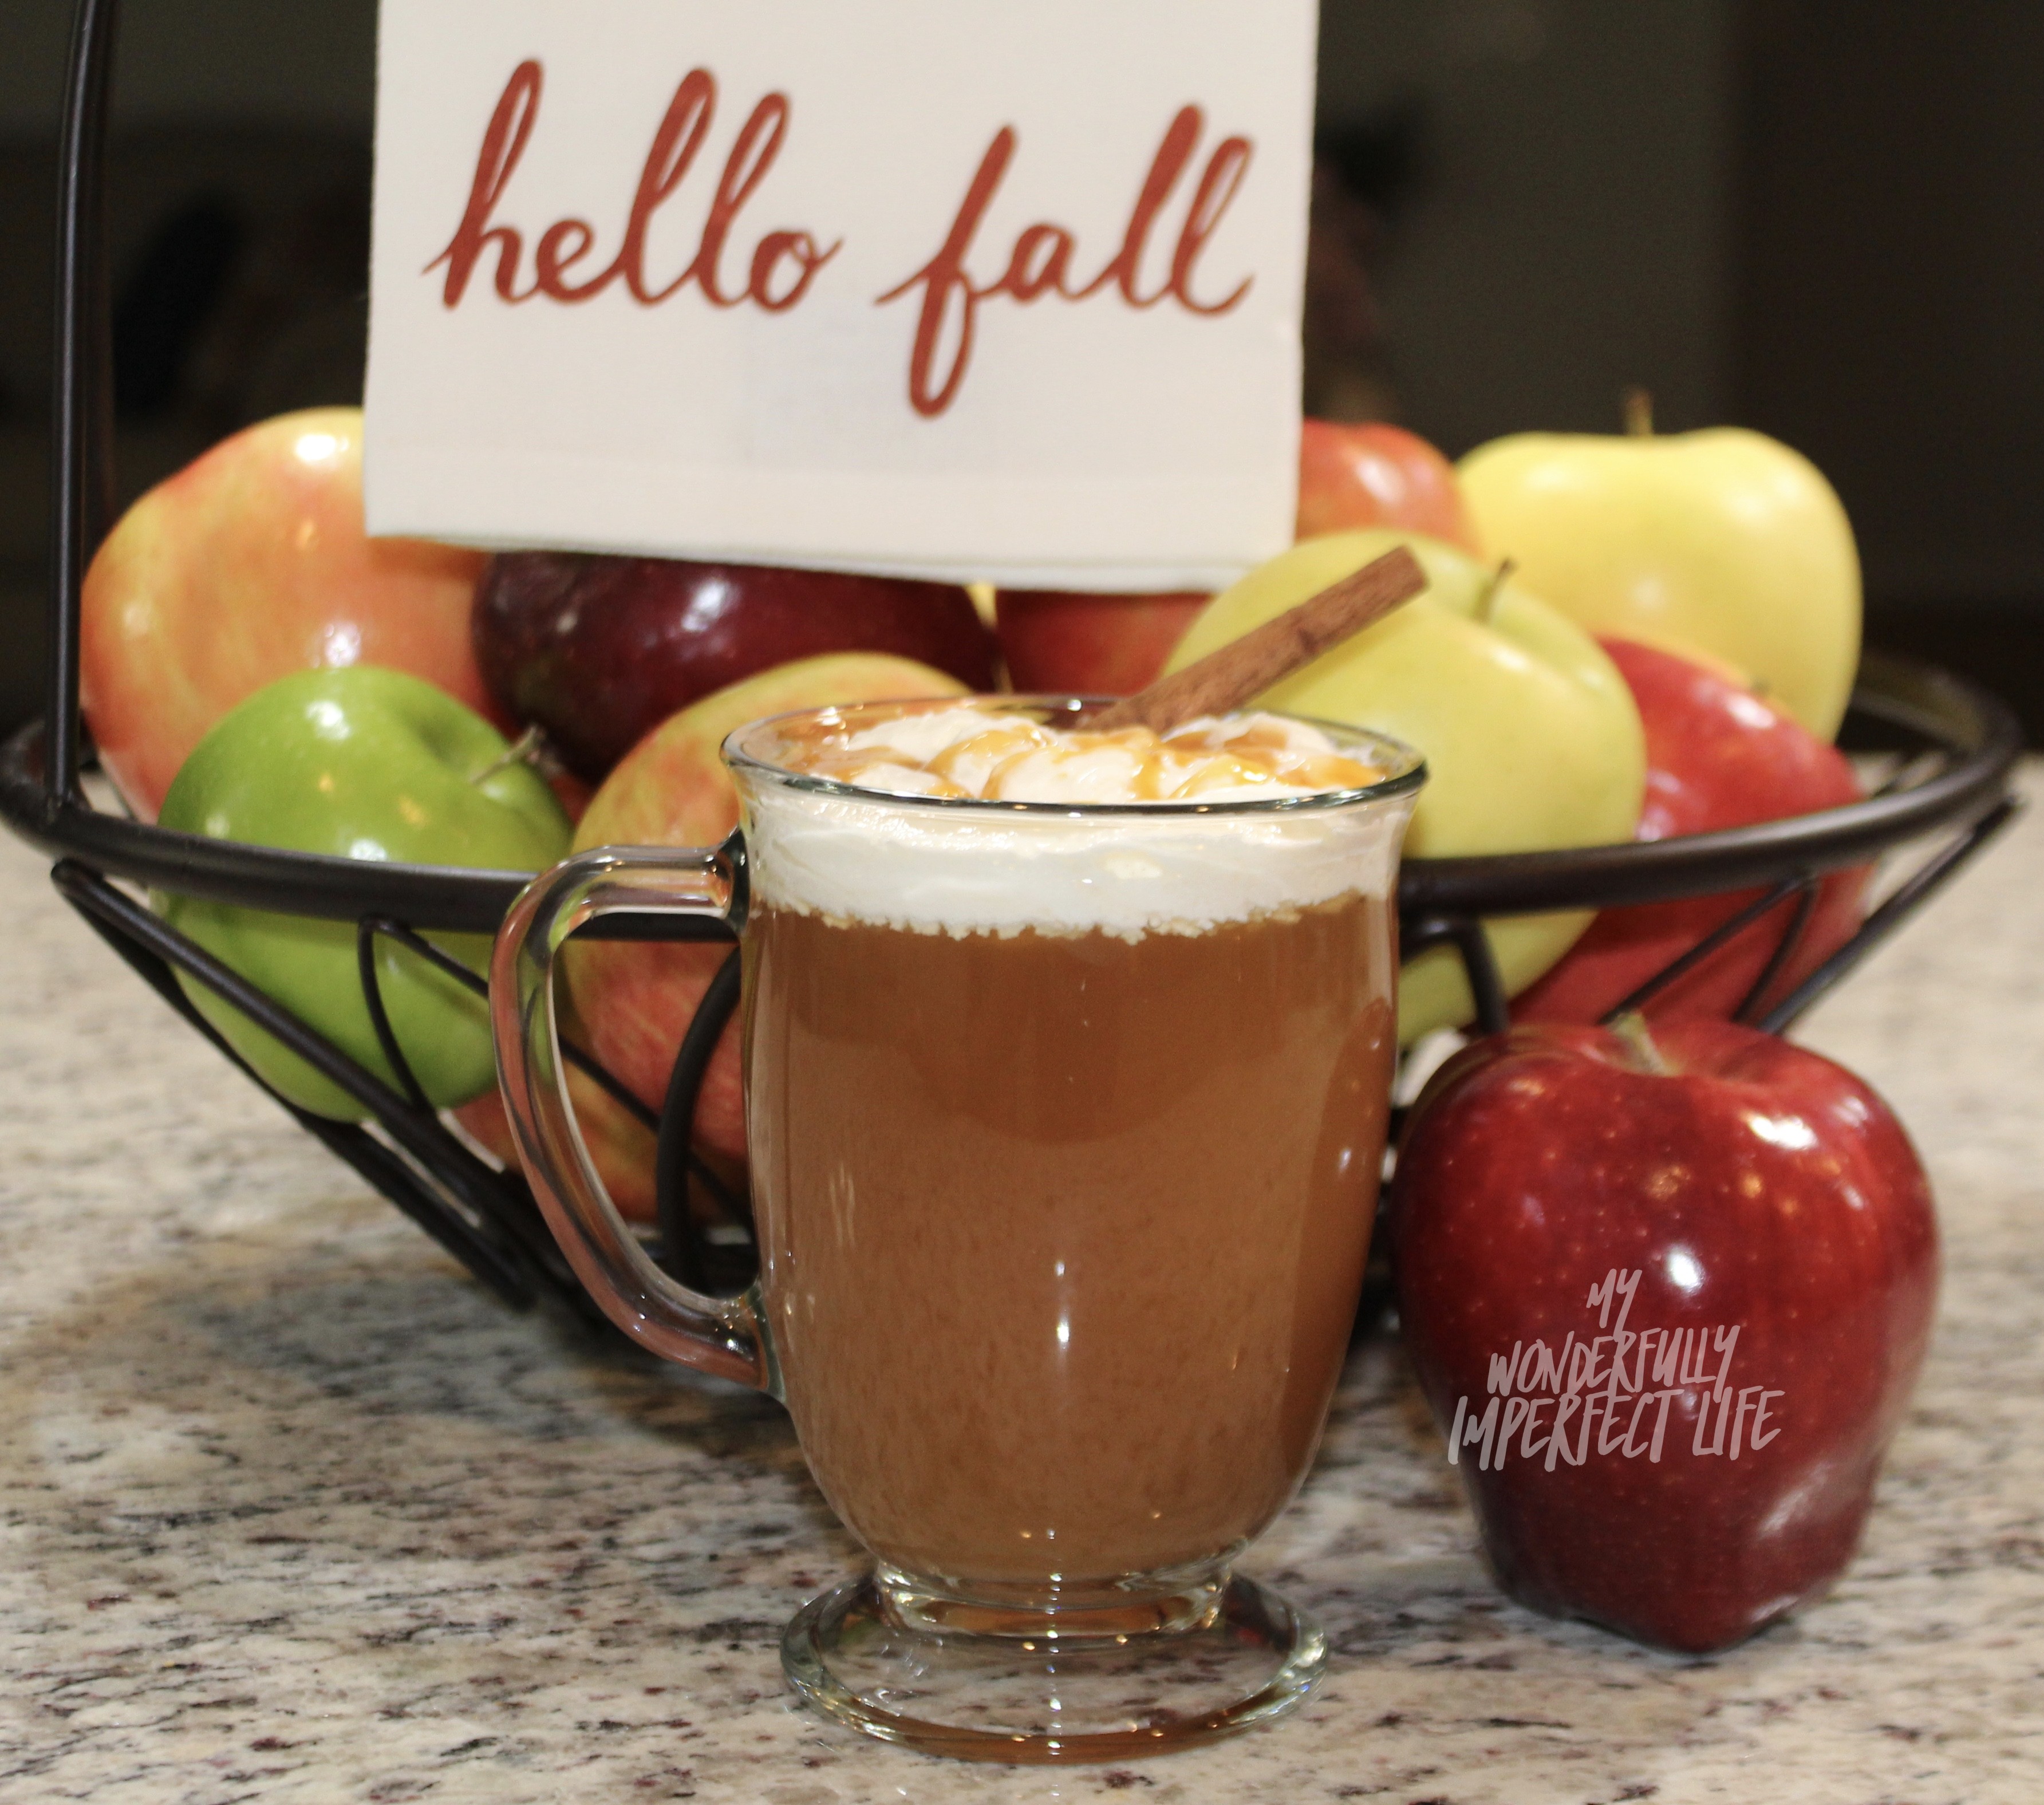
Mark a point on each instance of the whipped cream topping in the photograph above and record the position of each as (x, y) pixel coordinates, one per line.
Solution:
(983, 751)
(880, 858)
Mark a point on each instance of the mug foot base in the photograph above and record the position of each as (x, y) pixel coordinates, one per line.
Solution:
(1035, 1698)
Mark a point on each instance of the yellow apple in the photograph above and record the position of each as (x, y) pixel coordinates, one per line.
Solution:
(1532, 739)
(1725, 543)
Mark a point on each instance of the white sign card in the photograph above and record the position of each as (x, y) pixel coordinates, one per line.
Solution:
(1005, 289)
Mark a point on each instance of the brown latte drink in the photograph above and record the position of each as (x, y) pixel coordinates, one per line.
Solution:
(1066, 1127)
(1125, 1182)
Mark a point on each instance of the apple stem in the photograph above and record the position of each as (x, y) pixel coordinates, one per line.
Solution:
(1486, 604)
(1640, 412)
(524, 750)
(1631, 1029)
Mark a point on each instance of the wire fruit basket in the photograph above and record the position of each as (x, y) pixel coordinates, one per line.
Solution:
(1948, 795)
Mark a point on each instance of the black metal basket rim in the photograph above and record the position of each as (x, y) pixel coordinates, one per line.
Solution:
(1975, 728)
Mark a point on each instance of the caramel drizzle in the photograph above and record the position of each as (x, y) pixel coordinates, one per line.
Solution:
(1179, 768)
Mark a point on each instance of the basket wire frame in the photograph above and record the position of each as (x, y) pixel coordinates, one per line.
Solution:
(1956, 788)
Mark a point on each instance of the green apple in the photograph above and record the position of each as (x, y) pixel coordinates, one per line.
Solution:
(364, 763)
(1531, 737)
(1724, 542)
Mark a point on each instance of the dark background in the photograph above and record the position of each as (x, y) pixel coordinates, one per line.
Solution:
(1823, 218)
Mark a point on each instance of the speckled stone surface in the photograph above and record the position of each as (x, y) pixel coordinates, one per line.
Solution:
(291, 1510)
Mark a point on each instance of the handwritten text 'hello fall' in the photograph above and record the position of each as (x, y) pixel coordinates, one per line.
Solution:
(785, 263)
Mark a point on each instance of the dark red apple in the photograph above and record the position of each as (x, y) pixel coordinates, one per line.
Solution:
(599, 650)
(1717, 756)
(1060, 643)
(1667, 1298)
(1374, 475)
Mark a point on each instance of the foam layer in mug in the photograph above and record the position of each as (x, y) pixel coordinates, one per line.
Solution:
(978, 749)
(880, 857)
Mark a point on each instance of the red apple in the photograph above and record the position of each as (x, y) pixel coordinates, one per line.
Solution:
(1717, 756)
(1377, 475)
(250, 564)
(599, 650)
(636, 999)
(1668, 1298)
(1060, 643)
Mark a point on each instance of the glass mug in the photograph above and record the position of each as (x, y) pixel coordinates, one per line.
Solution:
(1065, 1123)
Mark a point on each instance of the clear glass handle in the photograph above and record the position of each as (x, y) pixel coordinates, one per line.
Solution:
(718, 1335)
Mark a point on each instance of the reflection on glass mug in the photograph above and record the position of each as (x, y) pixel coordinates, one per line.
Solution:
(1066, 1119)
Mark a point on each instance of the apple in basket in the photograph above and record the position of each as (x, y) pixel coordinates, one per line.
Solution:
(599, 650)
(357, 763)
(1717, 756)
(1532, 740)
(1723, 542)
(251, 562)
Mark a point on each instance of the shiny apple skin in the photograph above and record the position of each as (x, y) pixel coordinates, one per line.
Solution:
(1070, 643)
(1723, 541)
(599, 650)
(1532, 740)
(1375, 474)
(251, 562)
(1537, 1161)
(1717, 756)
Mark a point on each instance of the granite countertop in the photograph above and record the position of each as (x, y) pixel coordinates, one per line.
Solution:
(292, 1510)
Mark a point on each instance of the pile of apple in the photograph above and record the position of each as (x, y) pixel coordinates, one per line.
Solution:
(1718, 568)
(1629, 637)
(254, 668)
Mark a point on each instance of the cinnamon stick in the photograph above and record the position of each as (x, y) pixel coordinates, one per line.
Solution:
(1244, 669)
